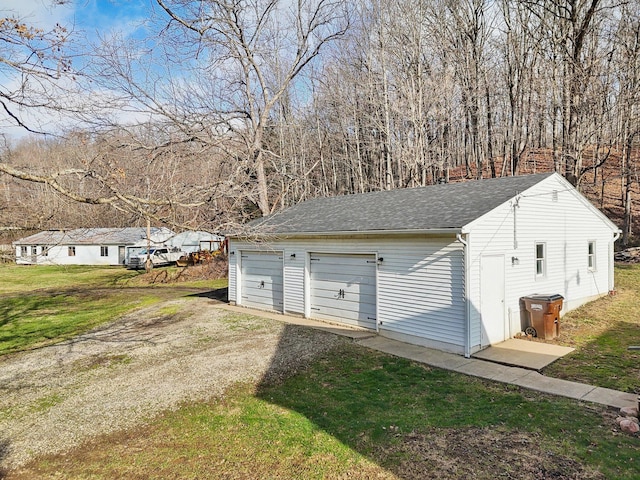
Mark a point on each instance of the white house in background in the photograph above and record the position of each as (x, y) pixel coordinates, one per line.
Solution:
(85, 246)
(443, 266)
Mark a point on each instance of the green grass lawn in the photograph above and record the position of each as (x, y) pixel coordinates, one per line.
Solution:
(601, 331)
(356, 413)
(353, 413)
(27, 278)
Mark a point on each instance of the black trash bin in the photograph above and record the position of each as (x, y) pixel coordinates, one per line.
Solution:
(544, 315)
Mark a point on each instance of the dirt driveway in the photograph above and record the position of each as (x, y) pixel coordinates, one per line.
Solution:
(56, 397)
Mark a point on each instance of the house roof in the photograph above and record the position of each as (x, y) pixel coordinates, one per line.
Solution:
(194, 238)
(435, 207)
(92, 236)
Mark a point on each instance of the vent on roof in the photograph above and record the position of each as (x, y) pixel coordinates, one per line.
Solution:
(554, 196)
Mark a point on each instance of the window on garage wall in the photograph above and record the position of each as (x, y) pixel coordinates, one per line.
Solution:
(591, 255)
(541, 261)
(71, 251)
(104, 251)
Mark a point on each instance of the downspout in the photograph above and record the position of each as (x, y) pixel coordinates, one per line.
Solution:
(616, 236)
(467, 323)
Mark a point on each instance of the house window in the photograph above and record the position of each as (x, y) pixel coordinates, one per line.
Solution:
(45, 251)
(540, 259)
(591, 256)
(72, 251)
(34, 250)
(104, 251)
(23, 251)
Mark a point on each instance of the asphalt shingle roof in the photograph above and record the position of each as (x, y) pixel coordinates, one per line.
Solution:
(444, 206)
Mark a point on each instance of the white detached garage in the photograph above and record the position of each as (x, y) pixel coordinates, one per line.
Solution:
(443, 266)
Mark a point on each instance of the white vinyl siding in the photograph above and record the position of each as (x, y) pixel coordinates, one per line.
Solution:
(420, 283)
(421, 291)
(294, 263)
(73, 255)
(563, 226)
(233, 273)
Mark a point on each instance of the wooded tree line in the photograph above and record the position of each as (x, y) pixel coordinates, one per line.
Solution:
(238, 108)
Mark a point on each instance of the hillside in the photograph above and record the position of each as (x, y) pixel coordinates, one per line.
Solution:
(604, 189)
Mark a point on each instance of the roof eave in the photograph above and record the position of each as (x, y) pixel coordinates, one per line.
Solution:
(421, 231)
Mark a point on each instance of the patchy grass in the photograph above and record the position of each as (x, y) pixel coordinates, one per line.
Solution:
(600, 332)
(355, 413)
(41, 305)
(31, 321)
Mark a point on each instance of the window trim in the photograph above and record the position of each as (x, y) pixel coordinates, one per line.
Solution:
(104, 250)
(540, 262)
(591, 256)
(24, 250)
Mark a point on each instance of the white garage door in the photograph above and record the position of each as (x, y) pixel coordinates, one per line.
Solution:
(343, 288)
(261, 284)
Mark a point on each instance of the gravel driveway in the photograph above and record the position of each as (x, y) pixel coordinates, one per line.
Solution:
(56, 397)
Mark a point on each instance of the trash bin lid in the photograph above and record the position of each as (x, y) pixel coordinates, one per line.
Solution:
(545, 298)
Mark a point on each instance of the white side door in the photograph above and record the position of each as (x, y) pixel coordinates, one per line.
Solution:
(492, 293)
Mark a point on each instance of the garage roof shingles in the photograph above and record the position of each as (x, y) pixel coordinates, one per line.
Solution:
(434, 207)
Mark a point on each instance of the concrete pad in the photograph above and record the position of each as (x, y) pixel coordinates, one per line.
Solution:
(612, 398)
(523, 353)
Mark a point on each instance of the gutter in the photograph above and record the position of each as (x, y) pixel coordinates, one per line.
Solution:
(616, 236)
(467, 323)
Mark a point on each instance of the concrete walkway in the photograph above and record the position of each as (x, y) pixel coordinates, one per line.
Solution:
(469, 366)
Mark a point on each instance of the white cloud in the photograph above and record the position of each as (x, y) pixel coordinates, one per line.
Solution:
(39, 13)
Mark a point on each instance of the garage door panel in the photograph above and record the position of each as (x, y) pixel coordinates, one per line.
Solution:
(333, 287)
(340, 270)
(262, 292)
(343, 288)
(328, 297)
(362, 319)
(353, 303)
(262, 280)
(348, 278)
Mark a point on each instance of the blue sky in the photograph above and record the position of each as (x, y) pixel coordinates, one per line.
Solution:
(88, 19)
(87, 16)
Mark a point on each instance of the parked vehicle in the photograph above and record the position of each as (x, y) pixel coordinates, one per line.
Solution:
(160, 256)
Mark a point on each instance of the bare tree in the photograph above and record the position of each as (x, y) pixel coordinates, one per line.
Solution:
(32, 61)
